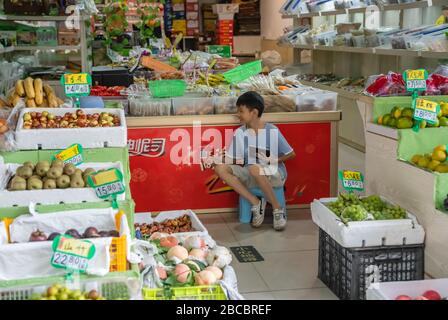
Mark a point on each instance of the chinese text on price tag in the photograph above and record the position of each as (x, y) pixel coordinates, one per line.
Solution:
(415, 79)
(107, 183)
(352, 180)
(76, 84)
(426, 110)
(72, 154)
(72, 254)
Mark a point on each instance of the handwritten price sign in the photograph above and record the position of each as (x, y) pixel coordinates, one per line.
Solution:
(76, 84)
(72, 154)
(352, 180)
(426, 110)
(415, 79)
(72, 254)
(107, 183)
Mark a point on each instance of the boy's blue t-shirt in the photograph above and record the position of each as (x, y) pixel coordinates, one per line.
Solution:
(269, 141)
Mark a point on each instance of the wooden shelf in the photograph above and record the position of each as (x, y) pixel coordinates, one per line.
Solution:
(389, 7)
(377, 51)
(34, 18)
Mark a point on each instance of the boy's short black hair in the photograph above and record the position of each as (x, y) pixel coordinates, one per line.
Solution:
(251, 100)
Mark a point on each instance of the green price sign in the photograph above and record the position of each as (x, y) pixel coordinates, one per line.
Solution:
(415, 80)
(352, 180)
(72, 254)
(107, 183)
(76, 84)
(72, 154)
(223, 51)
(426, 110)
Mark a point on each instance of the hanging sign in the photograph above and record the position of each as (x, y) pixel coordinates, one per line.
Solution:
(107, 183)
(352, 180)
(426, 110)
(72, 154)
(72, 254)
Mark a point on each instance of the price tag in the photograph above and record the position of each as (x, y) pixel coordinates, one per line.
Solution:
(107, 183)
(426, 110)
(415, 79)
(72, 254)
(76, 84)
(72, 154)
(352, 180)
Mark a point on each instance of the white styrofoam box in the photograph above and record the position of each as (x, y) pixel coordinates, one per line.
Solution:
(32, 139)
(165, 215)
(390, 290)
(50, 196)
(366, 233)
(317, 101)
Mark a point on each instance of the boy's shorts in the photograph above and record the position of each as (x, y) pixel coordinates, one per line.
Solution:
(277, 180)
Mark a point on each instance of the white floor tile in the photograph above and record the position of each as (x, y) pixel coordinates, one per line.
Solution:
(249, 280)
(259, 296)
(290, 270)
(305, 294)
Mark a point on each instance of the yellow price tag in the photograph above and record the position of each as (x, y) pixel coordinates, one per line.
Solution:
(104, 177)
(74, 247)
(418, 74)
(68, 153)
(352, 175)
(76, 78)
(426, 105)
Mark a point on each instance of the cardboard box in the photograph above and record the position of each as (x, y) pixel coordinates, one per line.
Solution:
(192, 24)
(26, 38)
(192, 7)
(192, 15)
(192, 32)
(180, 26)
(68, 38)
(209, 25)
(179, 7)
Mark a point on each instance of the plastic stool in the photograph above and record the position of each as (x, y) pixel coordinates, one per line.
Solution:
(245, 206)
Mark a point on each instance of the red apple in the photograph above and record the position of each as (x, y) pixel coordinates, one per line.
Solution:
(403, 297)
(421, 298)
(432, 295)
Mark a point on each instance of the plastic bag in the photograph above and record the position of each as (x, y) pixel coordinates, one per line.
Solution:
(391, 84)
(271, 58)
(7, 139)
(436, 85)
(441, 70)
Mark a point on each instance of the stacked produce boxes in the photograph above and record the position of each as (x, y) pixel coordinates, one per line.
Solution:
(248, 19)
(209, 18)
(225, 24)
(192, 10)
(179, 17)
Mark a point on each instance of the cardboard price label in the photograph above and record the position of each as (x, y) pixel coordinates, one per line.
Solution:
(223, 51)
(415, 79)
(107, 183)
(352, 180)
(72, 254)
(72, 154)
(76, 84)
(426, 110)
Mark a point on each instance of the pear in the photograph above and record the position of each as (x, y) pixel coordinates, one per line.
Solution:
(50, 184)
(34, 184)
(55, 172)
(69, 169)
(24, 172)
(78, 172)
(88, 172)
(77, 181)
(57, 163)
(63, 181)
(18, 184)
(29, 164)
(42, 168)
(34, 176)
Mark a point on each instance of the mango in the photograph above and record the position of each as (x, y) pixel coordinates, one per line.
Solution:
(423, 124)
(380, 120)
(441, 147)
(405, 123)
(439, 155)
(434, 125)
(443, 121)
(392, 122)
(386, 118)
(397, 113)
(407, 112)
(444, 108)
(433, 164)
(442, 168)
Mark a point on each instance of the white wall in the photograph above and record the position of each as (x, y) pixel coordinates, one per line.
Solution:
(272, 24)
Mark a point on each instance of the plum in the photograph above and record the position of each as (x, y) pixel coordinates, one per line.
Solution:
(73, 233)
(91, 232)
(38, 236)
(53, 235)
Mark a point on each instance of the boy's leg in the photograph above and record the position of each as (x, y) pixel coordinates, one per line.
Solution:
(225, 172)
(265, 186)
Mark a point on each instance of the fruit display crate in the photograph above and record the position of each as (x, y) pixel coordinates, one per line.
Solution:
(369, 233)
(50, 196)
(391, 290)
(116, 285)
(111, 252)
(348, 272)
(186, 293)
(61, 138)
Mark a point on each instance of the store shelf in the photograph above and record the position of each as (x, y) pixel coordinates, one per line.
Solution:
(390, 7)
(342, 92)
(377, 51)
(6, 50)
(384, 131)
(58, 48)
(33, 18)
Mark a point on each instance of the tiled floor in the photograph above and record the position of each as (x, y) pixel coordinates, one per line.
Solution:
(289, 269)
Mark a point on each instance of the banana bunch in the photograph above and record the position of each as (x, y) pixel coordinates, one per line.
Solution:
(211, 80)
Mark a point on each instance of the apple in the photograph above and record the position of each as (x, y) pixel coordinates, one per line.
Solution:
(432, 295)
(421, 298)
(403, 297)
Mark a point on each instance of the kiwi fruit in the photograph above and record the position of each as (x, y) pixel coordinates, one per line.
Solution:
(69, 169)
(55, 172)
(24, 172)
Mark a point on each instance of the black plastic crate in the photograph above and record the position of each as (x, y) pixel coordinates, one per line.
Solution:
(348, 272)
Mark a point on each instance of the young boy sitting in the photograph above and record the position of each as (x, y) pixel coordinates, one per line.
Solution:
(261, 150)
